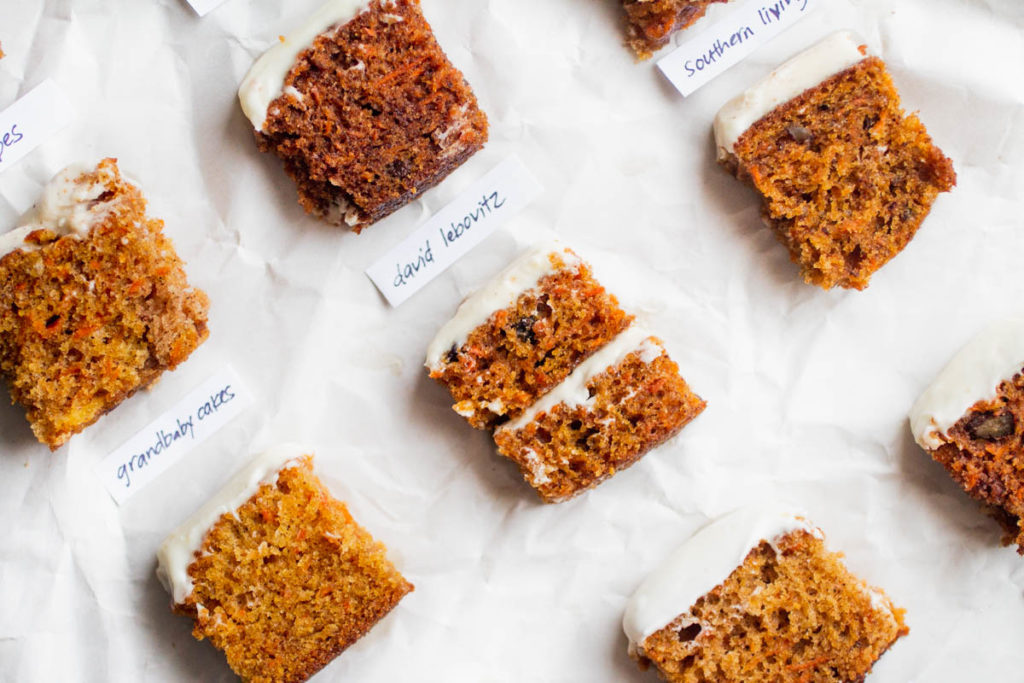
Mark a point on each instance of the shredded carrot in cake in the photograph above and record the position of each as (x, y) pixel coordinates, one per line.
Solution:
(651, 23)
(788, 614)
(87, 322)
(289, 581)
(383, 116)
(523, 351)
(846, 177)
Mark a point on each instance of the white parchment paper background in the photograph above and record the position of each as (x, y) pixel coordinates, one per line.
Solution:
(808, 390)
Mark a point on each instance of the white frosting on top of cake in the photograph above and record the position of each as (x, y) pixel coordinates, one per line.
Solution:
(68, 206)
(974, 374)
(817, 63)
(178, 550)
(265, 81)
(572, 391)
(702, 563)
(502, 291)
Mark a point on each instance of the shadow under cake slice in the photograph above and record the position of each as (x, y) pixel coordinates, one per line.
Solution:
(651, 23)
(616, 406)
(846, 177)
(94, 302)
(521, 334)
(971, 421)
(275, 572)
(364, 109)
(756, 596)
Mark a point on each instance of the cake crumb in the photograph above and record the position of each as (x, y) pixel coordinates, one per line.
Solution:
(288, 580)
(650, 24)
(790, 612)
(382, 116)
(845, 175)
(89, 318)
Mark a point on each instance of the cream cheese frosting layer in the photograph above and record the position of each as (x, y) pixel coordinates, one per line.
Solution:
(817, 63)
(572, 391)
(499, 293)
(68, 206)
(974, 374)
(265, 81)
(702, 563)
(178, 550)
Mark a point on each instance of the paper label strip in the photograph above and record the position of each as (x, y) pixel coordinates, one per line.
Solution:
(203, 7)
(198, 416)
(39, 115)
(480, 210)
(729, 40)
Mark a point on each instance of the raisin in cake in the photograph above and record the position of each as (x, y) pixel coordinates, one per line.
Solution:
(523, 333)
(94, 302)
(545, 356)
(971, 420)
(364, 109)
(651, 23)
(846, 177)
(756, 596)
(276, 573)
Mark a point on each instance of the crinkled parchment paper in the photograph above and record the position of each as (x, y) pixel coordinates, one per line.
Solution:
(807, 390)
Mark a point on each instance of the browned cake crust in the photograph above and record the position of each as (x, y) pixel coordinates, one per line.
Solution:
(634, 407)
(85, 323)
(383, 117)
(287, 583)
(846, 176)
(792, 616)
(985, 455)
(523, 351)
(650, 23)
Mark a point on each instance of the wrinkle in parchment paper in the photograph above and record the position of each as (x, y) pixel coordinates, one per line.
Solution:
(807, 390)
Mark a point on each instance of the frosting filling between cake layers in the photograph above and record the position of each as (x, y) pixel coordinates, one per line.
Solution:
(811, 67)
(178, 550)
(68, 207)
(701, 564)
(265, 81)
(573, 391)
(974, 374)
(502, 291)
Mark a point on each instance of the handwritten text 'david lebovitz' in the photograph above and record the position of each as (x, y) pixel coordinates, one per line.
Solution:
(178, 428)
(450, 234)
(466, 221)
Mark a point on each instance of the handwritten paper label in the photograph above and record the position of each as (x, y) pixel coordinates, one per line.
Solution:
(167, 439)
(454, 230)
(31, 121)
(726, 42)
(202, 7)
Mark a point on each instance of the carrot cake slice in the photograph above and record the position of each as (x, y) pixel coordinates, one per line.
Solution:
(523, 333)
(619, 404)
(651, 23)
(845, 175)
(94, 302)
(364, 109)
(971, 421)
(757, 596)
(276, 573)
